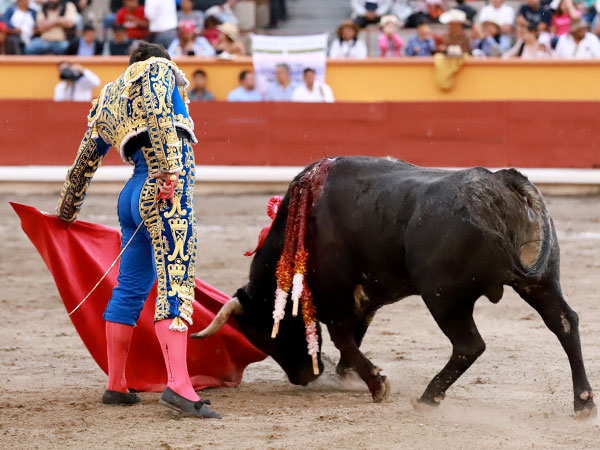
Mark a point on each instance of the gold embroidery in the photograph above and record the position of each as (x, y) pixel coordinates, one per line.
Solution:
(79, 177)
(179, 228)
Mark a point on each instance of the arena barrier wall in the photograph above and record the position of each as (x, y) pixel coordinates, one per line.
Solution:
(439, 134)
(371, 80)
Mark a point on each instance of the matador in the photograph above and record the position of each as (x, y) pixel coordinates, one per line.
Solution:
(144, 114)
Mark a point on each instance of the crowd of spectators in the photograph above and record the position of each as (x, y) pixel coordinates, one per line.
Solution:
(565, 29)
(207, 28)
(185, 27)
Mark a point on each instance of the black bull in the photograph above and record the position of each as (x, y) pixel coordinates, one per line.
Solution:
(382, 230)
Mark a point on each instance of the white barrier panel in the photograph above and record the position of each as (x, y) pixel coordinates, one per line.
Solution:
(262, 174)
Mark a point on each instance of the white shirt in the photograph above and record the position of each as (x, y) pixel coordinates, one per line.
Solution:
(504, 15)
(78, 91)
(348, 49)
(25, 22)
(567, 48)
(161, 15)
(320, 93)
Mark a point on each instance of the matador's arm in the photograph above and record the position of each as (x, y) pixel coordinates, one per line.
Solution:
(88, 159)
(158, 84)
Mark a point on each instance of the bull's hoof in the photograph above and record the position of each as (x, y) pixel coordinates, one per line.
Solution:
(431, 401)
(421, 406)
(344, 371)
(383, 391)
(584, 405)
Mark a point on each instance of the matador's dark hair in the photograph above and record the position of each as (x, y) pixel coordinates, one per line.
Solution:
(145, 50)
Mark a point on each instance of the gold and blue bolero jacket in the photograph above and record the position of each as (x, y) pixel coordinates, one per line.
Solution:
(148, 103)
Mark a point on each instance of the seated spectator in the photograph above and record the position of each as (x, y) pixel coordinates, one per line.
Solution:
(85, 11)
(20, 19)
(120, 44)
(76, 85)
(390, 42)
(188, 44)
(87, 44)
(402, 9)
(347, 45)
(247, 91)
(312, 90)
(282, 88)
(210, 31)
(500, 13)
(277, 12)
(109, 18)
(198, 92)
(224, 12)
(468, 10)
(162, 21)
(425, 11)
(456, 35)
(528, 45)
(3, 36)
(489, 40)
(133, 18)
(369, 12)
(188, 13)
(229, 44)
(421, 44)
(53, 21)
(535, 12)
(579, 43)
(561, 19)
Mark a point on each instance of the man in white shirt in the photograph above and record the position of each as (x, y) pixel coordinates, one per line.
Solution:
(162, 20)
(500, 13)
(76, 85)
(312, 90)
(578, 44)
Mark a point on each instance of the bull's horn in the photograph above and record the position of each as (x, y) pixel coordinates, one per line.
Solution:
(232, 307)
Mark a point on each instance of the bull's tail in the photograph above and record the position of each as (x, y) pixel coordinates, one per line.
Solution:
(537, 240)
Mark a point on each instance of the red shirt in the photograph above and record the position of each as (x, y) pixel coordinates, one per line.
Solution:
(133, 31)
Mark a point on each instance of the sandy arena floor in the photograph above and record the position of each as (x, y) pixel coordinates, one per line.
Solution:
(517, 395)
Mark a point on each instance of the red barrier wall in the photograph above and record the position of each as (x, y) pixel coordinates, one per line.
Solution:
(493, 134)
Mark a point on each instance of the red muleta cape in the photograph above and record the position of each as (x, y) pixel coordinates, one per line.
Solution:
(78, 256)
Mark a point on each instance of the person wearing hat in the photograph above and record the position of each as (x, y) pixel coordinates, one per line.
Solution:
(578, 44)
(188, 44)
(368, 12)
(491, 41)
(390, 42)
(456, 35)
(347, 45)
(529, 45)
(229, 44)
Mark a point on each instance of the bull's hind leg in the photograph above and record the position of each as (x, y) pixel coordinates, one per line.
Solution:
(548, 301)
(345, 342)
(456, 321)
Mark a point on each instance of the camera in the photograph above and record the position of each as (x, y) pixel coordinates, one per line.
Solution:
(70, 74)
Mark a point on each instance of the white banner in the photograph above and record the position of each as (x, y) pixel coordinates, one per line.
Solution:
(299, 52)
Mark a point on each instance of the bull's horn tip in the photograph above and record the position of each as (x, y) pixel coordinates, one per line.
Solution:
(199, 335)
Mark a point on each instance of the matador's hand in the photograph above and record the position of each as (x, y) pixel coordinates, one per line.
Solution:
(166, 189)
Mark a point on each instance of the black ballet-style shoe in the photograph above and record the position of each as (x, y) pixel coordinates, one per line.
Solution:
(120, 398)
(174, 401)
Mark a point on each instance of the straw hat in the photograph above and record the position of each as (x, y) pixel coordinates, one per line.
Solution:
(230, 30)
(454, 15)
(347, 24)
(577, 25)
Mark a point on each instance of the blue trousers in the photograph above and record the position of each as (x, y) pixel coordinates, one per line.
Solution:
(164, 249)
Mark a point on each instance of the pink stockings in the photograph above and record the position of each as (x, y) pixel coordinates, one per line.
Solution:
(174, 347)
(118, 338)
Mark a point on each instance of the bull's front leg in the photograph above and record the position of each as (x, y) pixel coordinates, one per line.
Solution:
(344, 340)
